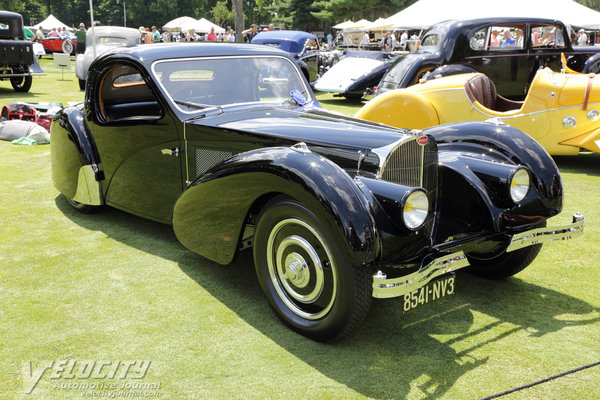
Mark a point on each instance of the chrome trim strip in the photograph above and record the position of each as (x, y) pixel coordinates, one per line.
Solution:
(548, 234)
(384, 288)
(25, 74)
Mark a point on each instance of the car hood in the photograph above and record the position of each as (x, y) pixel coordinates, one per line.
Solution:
(311, 125)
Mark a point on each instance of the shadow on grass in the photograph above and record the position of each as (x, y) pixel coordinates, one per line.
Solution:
(585, 163)
(392, 353)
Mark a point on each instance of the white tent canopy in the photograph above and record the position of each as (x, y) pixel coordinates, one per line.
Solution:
(177, 23)
(344, 25)
(205, 26)
(50, 23)
(425, 13)
(359, 24)
(201, 25)
(380, 24)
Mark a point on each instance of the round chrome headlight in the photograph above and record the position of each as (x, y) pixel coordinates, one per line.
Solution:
(415, 210)
(519, 185)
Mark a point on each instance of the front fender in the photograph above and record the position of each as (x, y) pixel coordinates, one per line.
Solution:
(210, 215)
(508, 146)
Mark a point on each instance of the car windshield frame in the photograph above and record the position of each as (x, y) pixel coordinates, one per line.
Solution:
(178, 103)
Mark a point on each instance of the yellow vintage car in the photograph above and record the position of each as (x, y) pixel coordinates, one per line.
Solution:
(560, 111)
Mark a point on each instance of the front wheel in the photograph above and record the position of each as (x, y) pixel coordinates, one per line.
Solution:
(501, 265)
(309, 284)
(21, 83)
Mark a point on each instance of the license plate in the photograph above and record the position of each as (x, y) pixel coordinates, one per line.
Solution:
(428, 293)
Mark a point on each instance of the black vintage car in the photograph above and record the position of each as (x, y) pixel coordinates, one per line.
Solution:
(17, 62)
(228, 145)
(508, 50)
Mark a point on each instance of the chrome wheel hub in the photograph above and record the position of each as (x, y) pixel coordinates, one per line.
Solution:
(297, 255)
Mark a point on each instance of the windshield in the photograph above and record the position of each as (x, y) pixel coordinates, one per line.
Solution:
(201, 82)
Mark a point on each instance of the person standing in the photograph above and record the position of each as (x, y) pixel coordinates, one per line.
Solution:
(80, 38)
(582, 38)
(231, 36)
(211, 36)
(404, 40)
(253, 32)
(166, 36)
(156, 38)
(39, 34)
(54, 34)
(366, 39)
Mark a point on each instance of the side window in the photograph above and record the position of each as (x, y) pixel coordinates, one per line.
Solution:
(431, 41)
(505, 37)
(311, 44)
(478, 40)
(549, 36)
(124, 96)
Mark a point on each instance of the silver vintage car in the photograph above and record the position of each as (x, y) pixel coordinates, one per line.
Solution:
(104, 38)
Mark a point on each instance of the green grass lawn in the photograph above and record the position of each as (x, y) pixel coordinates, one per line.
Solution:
(98, 290)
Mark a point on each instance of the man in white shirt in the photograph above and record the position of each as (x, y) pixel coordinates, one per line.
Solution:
(366, 39)
(582, 38)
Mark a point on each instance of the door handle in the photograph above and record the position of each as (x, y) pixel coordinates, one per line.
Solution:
(171, 152)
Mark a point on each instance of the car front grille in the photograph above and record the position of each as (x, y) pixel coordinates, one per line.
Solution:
(412, 164)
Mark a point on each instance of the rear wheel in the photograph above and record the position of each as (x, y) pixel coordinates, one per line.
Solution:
(21, 83)
(309, 284)
(83, 208)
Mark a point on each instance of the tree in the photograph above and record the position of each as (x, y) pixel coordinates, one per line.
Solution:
(238, 19)
(221, 14)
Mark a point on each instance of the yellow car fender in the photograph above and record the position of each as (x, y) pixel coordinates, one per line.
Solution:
(402, 108)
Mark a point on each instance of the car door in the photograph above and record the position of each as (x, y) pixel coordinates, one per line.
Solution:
(138, 143)
(500, 52)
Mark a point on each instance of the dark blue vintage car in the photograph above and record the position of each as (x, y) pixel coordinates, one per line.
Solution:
(508, 50)
(304, 47)
(227, 144)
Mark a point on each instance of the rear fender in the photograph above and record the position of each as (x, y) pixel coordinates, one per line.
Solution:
(451, 69)
(76, 169)
(402, 108)
(210, 215)
(592, 64)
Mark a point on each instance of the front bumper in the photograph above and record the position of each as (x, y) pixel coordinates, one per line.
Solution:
(395, 287)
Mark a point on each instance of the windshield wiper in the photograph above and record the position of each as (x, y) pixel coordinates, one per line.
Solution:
(193, 105)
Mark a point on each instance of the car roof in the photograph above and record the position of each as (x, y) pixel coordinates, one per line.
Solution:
(291, 41)
(146, 54)
(469, 23)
